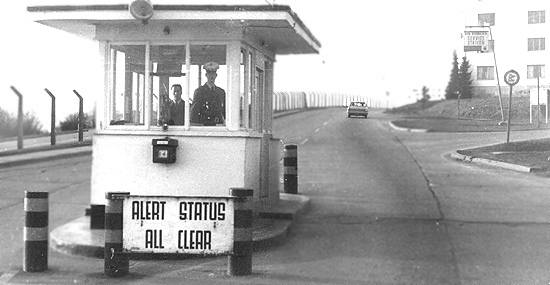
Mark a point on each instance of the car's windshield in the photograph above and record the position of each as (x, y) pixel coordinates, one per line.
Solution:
(359, 104)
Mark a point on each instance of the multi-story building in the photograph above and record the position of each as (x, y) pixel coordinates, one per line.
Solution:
(520, 30)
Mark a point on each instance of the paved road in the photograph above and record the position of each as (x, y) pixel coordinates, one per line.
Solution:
(387, 208)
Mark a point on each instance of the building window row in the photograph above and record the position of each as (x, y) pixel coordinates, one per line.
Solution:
(533, 17)
(536, 17)
(488, 72)
(534, 44)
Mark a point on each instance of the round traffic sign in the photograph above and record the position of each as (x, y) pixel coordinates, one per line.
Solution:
(511, 77)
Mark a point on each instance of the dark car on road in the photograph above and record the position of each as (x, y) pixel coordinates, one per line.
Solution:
(358, 109)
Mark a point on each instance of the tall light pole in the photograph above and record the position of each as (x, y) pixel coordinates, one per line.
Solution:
(488, 26)
(538, 100)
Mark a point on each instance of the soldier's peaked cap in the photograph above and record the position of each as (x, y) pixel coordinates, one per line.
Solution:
(211, 66)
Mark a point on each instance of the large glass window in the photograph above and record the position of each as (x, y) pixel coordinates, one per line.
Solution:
(536, 17)
(251, 90)
(534, 44)
(243, 90)
(208, 83)
(485, 72)
(185, 85)
(169, 88)
(260, 107)
(127, 98)
(534, 71)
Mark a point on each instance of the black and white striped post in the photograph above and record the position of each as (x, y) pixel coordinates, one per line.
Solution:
(290, 168)
(116, 263)
(240, 261)
(35, 233)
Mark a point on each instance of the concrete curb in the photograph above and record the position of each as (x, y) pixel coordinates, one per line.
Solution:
(21, 159)
(43, 148)
(76, 237)
(395, 127)
(494, 163)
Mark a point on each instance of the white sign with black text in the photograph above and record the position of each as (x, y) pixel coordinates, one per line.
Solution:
(191, 225)
(476, 41)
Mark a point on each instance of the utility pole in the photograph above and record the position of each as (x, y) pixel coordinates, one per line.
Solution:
(496, 69)
(538, 101)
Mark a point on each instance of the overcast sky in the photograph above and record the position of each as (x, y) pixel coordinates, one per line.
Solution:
(368, 47)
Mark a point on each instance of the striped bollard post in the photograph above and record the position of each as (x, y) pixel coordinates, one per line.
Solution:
(35, 233)
(116, 263)
(240, 261)
(290, 169)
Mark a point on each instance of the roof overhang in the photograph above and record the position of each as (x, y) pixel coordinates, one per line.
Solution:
(277, 25)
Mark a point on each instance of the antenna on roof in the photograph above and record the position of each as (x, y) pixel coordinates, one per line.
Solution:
(270, 2)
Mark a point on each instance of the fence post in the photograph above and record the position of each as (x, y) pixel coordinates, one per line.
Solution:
(19, 118)
(116, 263)
(290, 168)
(240, 261)
(52, 121)
(35, 232)
(80, 117)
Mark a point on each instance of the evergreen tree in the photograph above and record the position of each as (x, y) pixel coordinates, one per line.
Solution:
(425, 94)
(465, 79)
(451, 92)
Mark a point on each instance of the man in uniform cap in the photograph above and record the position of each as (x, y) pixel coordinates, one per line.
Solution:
(208, 106)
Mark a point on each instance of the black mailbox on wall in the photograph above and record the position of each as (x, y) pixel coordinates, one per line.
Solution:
(164, 150)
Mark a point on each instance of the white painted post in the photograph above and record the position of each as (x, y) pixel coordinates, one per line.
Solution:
(232, 98)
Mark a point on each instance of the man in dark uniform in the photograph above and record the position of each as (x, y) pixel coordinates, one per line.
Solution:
(209, 100)
(177, 107)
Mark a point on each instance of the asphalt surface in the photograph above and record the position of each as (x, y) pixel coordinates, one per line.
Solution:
(387, 207)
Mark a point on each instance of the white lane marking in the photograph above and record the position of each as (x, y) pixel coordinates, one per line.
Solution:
(325, 123)
(304, 142)
(6, 277)
(317, 130)
(199, 266)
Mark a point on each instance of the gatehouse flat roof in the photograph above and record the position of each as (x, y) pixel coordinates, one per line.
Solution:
(278, 25)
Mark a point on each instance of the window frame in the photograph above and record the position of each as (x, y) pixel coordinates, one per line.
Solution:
(542, 71)
(487, 67)
(245, 88)
(148, 105)
(534, 17)
(112, 90)
(536, 44)
(186, 118)
(479, 15)
(227, 83)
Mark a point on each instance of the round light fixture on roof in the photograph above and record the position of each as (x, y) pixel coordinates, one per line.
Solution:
(141, 9)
